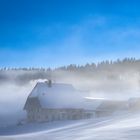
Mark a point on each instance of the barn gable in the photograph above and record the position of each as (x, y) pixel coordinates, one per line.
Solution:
(32, 103)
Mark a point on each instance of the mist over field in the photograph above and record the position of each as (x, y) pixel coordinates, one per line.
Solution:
(110, 80)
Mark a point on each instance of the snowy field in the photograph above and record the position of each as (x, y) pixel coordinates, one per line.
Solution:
(126, 127)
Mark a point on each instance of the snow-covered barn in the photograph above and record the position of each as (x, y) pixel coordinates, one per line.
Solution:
(56, 101)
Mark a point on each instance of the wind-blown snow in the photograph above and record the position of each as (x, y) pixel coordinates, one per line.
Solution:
(113, 128)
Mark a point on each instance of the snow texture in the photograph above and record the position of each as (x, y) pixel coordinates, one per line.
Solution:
(126, 127)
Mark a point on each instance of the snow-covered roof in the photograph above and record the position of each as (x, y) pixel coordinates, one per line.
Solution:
(60, 95)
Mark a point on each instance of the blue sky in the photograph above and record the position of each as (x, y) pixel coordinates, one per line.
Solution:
(52, 33)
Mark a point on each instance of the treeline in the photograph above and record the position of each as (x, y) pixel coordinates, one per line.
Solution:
(127, 62)
(91, 66)
(107, 71)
